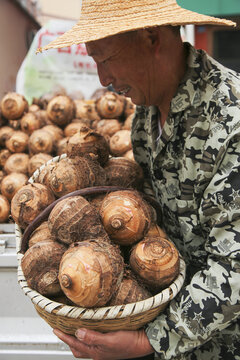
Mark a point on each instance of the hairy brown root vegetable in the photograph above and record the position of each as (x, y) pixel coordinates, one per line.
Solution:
(128, 122)
(62, 146)
(40, 265)
(73, 128)
(98, 93)
(75, 219)
(129, 107)
(28, 202)
(15, 124)
(4, 209)
(61, 110)
(45, 174)
(36, 161)
(96, 200)
(156, 230)
(120, 142)
(5, 133)
(129, 155)
(126, 216)
(18, 142)
(156, 261)
(30, 122)
(55, 131)
(87, 141)
(40, 141)
(90, 272)
(2, 175)
(13, 105)
(110, 105)
(124, 172)
(41, 233)
(43, 216)
(33, 108)
(12, 183)
(17, 162)
(129, 291)
(4, 155)
(86, 110)
(108, 127)
(71, 174)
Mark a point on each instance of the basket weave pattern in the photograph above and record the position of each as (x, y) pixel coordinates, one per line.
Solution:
(109, 318)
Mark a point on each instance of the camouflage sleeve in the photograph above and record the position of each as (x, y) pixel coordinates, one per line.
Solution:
(210, 302)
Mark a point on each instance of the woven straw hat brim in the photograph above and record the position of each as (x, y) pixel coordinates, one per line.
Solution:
(100, 19)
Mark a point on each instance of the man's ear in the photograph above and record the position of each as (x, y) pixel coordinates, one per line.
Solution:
(151, 37)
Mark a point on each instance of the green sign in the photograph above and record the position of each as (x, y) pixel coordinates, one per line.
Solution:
(212, 7)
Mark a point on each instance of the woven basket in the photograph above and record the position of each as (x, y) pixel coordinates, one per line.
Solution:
(121, 317)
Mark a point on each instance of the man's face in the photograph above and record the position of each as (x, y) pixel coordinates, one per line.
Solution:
(123, 61)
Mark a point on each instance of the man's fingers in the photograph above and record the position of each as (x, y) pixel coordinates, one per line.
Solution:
(90, 337)
(68, 339)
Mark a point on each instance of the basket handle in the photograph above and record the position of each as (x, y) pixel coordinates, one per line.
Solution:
(82, 192)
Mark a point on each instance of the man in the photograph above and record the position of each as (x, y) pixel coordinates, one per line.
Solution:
(186, 136)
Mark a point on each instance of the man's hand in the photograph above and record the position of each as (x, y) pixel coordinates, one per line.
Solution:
(89, 344)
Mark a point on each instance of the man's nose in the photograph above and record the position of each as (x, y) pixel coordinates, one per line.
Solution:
(104, 75)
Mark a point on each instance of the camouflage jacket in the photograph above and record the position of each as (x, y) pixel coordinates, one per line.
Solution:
(194, 169)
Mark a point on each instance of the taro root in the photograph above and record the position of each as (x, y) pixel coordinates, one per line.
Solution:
(4, 155)
(110, 105)
(2, 175)
(85, 109)
(41, 233)
(108, 127)
(121, 171)
(40, 141)
(30, 122)
(55, 131)
(126, 216)
(90, 272)
(75, 219)
(128, 122)
(30, 201)
(12, 183)
(96, 200)
(61, 110)
(4, 209)
(61, 147)
(17, 162)
(18, 142)
(76, 173)
(5, 134)
(33, 108)
(98, 93)
(129, 155)
(40, 265)
(87, 141)
(73, 128)
(129, 291)
(129, 107)
(14, 124)
(156, 261)
(36, 161)
(120, 142)
(156, 230)
(13, 105)
(45, 174)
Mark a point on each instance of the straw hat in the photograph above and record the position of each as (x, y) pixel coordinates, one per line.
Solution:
(103, 18)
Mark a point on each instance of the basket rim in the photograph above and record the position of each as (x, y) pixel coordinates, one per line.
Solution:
(99, 313)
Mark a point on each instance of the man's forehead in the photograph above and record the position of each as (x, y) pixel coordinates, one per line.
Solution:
(104, 46)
